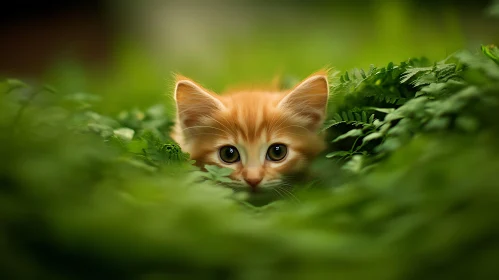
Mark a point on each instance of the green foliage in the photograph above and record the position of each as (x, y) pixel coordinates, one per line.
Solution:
(493, 10)
(492, 52)
(84, 195)
(456, 95)
(218, 174)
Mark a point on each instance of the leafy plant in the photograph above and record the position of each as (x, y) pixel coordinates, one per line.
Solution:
(85, 195)
(452, 96)
(218, 174)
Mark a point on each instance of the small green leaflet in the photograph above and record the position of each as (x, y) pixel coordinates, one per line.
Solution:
(219, 174)
(124, 133)
(350, 133)
(338, 154)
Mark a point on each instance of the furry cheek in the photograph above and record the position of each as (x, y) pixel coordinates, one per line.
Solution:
(293, 162)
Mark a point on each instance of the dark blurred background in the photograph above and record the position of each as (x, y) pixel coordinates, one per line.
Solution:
(34, 34)
(126, 50)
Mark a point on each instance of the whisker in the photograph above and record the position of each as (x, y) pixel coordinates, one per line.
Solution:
(278, 192)
(290, 194)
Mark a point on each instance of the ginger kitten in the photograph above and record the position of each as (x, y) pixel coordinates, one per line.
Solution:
(262, 134)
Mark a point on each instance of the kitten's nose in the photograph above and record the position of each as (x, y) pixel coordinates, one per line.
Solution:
(253, 182)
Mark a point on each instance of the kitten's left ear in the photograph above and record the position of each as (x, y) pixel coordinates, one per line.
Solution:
(194, 102)
(308, 100)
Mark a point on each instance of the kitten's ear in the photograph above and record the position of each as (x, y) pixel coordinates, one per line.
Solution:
(308, 100)
(194, 102)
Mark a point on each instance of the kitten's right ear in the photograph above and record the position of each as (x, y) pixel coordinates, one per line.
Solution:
(194, 102)
(308, 100)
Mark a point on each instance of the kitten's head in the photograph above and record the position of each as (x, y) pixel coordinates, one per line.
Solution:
(262, 135)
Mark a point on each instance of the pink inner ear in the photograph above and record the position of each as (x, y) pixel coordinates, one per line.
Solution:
(311, 92)
(308, 100)
(194, 103)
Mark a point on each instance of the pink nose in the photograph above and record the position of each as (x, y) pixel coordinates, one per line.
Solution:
(253, 182)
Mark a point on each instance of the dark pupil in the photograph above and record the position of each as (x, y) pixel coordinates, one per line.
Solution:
(229, 154)
(277, 152)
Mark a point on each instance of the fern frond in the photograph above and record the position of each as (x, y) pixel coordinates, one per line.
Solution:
(353, 117)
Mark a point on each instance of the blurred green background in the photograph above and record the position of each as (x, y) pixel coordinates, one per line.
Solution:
(126, 51)
(73, 206)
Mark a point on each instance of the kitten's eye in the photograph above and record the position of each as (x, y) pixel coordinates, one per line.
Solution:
(229, 154)
(277, 152)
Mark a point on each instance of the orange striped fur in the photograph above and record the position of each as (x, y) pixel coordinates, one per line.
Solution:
(251, 120)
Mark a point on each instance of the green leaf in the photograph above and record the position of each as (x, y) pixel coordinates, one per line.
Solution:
(103, 130)
(344, 116)
(383, 110)
(412, 72)
(225, 171)
(10, 85)
(224, 179)
(372, 136)
(371, 119)
(363, 74)
(350, 133)
(338, 154)
(211, 168)
(156, 111)
(337, 117)
(425, 79)
(218, 171)
(350, 116)
(355, 164)
(14, 83)
(492, 52)
(124, 133)
(395, 115)
(357, 117)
